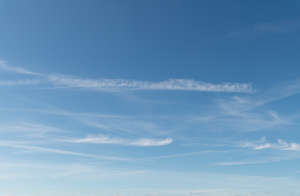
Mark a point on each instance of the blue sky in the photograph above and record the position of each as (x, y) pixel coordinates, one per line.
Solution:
(149, 98)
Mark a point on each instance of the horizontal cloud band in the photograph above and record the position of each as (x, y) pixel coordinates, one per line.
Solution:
(171, 84)
(123, 84)
(279, 145)
(143, 142)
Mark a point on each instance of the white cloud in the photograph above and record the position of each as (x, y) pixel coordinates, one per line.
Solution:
(124, 84)
(262, 160)
(19, 82)
(187, 154)
(137, 126)
(262, 144)
(171, 84)
(279, 145)
(34, 130)
(239, 104)
(214, 192)
(241, 112)
(31, 148)
(151, 142)
(143, 142)
(36, 170)
(245, 162)
(4, 66)
(126, 124)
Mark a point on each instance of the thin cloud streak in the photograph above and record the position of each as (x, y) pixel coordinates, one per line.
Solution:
(143, 142)
(187, 154)
(247, 162)
(279, 145)
(171, 84)
(262, 144)
(33, 130)
(125, 84)
(107, 123)
(4, 66)
(244, 112)
(18, 145)
(258, 161)
(19, 82)
(239, 104)
(266, 28)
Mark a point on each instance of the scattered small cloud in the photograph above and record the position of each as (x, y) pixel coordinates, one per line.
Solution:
(279, 145)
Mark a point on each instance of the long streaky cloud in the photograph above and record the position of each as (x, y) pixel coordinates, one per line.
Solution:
(18, 145)
(19, 82)
(33, 130)
(170, 84)
(4, 66)
(247, 162)
(264, 160)
(143, 142)
(124, 84)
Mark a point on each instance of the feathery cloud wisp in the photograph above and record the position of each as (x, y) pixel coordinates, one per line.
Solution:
(262, 144)
(124, 84)
(18, 145)
(32, 130)
(19, 82)
(19, 70)
(170, 84)
(279, 145)
(143, 142)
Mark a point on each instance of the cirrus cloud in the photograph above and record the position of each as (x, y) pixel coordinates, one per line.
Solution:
(101, 139)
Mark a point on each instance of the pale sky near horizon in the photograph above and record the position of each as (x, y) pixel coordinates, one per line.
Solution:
(149, 98)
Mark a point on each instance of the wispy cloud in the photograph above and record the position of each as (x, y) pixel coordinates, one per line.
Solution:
(262, 160)
(234, 117)
(171, 84)
(219, 192)
(279, 145)
(143, 142)
(246, 112)
(186, 154)
(273, 27)
(134, 85)
(36, 170)
(60, 112)
(277, 27)
(136, 126)
(19, 82)
(238, 104)
(4, 66)
(246, 162)
(31, 148)
(33, 130)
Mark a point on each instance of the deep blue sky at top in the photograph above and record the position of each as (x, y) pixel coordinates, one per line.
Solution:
(152, 40)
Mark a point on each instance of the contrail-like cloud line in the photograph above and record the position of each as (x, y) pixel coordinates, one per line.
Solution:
(124, 84)
(101, 139)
